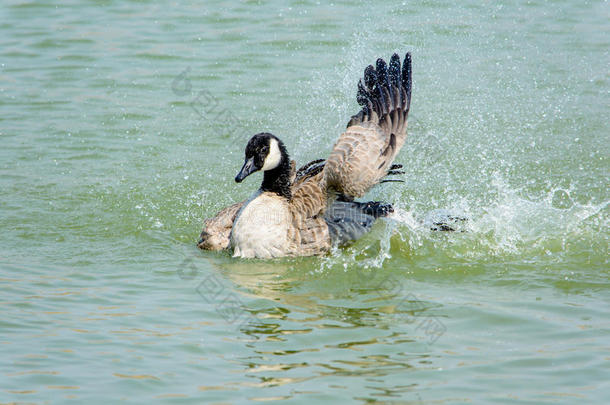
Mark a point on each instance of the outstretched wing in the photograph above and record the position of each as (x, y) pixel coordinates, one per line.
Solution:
(364, 153)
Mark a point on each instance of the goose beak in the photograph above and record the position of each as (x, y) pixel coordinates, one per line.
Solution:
(247, 169)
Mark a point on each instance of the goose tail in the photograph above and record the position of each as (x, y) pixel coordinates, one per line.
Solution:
(349, 220)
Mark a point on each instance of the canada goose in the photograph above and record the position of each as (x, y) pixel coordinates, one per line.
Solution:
(292, 215)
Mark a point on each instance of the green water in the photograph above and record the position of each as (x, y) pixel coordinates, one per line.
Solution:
(123, 124)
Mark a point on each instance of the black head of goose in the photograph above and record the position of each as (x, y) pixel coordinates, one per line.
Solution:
(268, 153)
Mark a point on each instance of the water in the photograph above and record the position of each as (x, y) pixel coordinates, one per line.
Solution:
(123, 125)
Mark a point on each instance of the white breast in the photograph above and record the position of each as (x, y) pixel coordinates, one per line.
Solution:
(261, 227)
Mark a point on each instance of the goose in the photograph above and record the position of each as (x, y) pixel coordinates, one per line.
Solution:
(307, 212)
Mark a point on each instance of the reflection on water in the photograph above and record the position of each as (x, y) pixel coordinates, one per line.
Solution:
(290, 319)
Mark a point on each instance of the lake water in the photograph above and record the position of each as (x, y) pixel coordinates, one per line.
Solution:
(123, 124)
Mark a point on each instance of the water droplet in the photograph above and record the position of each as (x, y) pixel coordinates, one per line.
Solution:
(562, 200)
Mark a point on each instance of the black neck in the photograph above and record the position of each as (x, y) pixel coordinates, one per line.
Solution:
(278, 180)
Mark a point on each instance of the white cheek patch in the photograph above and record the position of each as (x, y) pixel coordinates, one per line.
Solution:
(274, 157)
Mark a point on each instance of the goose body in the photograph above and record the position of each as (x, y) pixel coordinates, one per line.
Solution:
(261, 227)
(304, 213)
